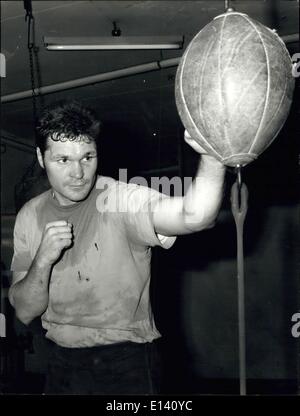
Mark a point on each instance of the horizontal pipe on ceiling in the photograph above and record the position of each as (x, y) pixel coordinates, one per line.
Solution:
(80, 82)
(290, 38)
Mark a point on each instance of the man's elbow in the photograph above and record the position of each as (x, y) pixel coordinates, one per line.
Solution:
(210, 224)
(24, 318)
(20, 311)
(11, 296)
(24, 315)
(194, 223)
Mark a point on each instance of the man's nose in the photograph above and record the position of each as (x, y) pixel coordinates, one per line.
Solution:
(77, 171)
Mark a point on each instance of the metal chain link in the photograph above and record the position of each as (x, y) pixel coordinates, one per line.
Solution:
(33, 62)
(29, 176)
(32, 79)
(31, 47)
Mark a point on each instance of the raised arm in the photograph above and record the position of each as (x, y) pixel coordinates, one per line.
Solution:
(29, 290)
(199, 208)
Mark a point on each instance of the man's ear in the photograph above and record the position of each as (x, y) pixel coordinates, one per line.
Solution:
(40, 157)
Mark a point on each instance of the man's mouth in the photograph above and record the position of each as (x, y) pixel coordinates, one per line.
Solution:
(77, 185)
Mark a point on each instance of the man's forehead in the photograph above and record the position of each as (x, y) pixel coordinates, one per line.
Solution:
(65, 138)
(65, 145)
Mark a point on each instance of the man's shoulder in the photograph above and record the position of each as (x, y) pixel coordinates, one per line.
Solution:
(30, 207)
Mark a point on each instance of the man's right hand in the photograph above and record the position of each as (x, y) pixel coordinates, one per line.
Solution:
(57, 236)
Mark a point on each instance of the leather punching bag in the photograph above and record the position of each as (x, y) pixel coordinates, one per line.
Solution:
(234, 88)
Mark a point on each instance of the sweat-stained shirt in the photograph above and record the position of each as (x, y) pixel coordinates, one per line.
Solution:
(99, 290)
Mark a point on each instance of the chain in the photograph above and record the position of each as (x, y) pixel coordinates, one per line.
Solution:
(32, 50)
(30, 46)
(31, 63)
(28, 178)
(37, 68)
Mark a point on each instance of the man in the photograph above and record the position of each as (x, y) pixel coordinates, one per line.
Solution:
(82, 254)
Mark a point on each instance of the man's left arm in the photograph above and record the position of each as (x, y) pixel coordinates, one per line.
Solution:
(199, 208)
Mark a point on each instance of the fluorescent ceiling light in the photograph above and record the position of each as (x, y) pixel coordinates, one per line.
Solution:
(112, 43)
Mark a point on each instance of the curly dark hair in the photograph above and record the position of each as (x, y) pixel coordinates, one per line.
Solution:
(66, 120)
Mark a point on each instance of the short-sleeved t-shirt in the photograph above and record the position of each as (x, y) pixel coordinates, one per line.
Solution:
(99, 289)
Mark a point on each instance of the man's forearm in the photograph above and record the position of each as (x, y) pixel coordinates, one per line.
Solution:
(30, 295)
(203, 199)
(198, 209)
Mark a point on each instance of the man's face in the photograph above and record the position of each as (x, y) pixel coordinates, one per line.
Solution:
(71, 169)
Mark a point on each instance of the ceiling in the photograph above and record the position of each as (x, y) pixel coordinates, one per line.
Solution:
(144, 103)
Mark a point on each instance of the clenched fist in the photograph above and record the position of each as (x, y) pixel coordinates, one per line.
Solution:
(57, 236)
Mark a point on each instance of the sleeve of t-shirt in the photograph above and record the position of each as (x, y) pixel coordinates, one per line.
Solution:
(21, 260)
(137, 206)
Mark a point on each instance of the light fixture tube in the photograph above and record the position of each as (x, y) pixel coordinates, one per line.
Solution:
(112, 43)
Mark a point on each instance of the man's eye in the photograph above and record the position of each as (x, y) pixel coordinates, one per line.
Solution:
(63, 160)
(87, 158)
